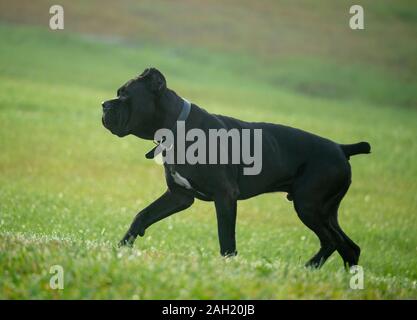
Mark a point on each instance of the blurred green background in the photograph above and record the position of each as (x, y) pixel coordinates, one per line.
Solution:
(69, 189)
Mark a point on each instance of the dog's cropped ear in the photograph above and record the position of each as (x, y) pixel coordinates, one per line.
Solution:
(156, 80)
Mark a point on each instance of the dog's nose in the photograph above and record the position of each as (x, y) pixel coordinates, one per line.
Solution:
(105, 105)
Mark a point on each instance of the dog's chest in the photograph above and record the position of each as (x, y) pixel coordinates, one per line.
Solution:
(180, 180)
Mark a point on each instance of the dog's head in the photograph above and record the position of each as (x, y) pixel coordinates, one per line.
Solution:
(134, 110)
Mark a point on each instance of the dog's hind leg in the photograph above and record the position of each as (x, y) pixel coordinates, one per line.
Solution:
(348, 249)
(312, 192)
(309, 214)
(351, 254)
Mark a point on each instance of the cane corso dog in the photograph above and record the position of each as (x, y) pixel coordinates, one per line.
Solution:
(313, 171)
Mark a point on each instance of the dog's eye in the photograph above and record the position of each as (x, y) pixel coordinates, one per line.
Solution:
(123, 95)
(120, 92)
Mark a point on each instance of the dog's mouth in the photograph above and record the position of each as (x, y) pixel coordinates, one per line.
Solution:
(116, 122)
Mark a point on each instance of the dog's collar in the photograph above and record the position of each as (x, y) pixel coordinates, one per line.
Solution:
(185, 112)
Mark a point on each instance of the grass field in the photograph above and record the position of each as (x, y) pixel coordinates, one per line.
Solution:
(69, 189)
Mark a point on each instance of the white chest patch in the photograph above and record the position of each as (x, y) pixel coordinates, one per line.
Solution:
(180, 180)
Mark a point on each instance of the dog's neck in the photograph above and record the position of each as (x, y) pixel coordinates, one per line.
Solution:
(169, 107)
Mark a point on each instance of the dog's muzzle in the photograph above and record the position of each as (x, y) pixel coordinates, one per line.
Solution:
(113, 119)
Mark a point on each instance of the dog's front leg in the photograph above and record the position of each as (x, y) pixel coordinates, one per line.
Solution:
(226, 224)
(169, 203)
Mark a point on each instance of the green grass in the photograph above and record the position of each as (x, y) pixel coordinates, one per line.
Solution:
(69, 189)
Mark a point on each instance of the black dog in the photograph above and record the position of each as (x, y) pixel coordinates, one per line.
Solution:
(314, 171)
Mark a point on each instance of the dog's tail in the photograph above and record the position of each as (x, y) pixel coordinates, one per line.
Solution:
(356, 148)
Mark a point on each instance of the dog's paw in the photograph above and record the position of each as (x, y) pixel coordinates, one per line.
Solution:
(127, 241)
(314, 264)
(229, 254)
